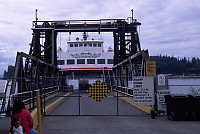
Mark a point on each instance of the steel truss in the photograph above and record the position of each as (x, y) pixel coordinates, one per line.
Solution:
(41, 62)
(32, 74)
(125, 70)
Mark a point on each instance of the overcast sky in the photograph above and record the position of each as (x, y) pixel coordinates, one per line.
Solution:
(169, 27)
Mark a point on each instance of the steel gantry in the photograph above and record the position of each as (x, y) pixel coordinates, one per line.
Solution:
(39, 68)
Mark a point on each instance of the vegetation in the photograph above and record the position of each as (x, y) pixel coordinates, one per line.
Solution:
(10, 73)
(175, 66)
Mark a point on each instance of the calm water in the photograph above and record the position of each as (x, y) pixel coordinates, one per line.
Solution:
(2, 85)
(184, 86)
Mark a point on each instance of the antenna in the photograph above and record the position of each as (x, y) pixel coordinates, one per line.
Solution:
(132, 15)
(36, 18)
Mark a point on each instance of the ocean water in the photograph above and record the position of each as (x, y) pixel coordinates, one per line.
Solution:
(184, 86)
(2, 85)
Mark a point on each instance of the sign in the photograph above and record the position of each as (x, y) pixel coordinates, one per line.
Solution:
(143, 90)
(86, 55)
(130, 84)
(98, 91)
(161, 99)
(161, 80)
(150, 68)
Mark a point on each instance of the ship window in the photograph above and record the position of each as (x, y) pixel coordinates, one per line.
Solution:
(80, 61)
(101, 61)
(76, 45)
(61, 62)
(99, 44)
(85, 45)
(90, 44)
(70, 62)
(71, 45)
(110, 61)
(80, 44)
(94, 45)
(90, 61)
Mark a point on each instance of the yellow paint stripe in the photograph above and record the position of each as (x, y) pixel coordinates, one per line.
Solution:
(49, 108)
(28, 106)
(144, 108)
(55, 104)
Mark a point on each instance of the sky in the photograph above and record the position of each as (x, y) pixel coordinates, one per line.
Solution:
(169, 27)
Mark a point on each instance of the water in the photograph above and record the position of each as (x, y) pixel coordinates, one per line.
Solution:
(184, 85)
(2, 85)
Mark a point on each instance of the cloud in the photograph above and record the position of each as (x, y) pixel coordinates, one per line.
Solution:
(168, 27)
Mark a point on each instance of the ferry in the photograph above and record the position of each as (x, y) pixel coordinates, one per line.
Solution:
(84, 59)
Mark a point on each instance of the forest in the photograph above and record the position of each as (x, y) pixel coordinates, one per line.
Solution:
(175, 66)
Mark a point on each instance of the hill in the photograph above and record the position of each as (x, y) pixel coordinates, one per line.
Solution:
(175, 66)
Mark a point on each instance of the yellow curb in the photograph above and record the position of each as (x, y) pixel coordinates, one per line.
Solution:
(28, 106)
(55, 104)
(48, 108)
(144, 108)
(35, 118)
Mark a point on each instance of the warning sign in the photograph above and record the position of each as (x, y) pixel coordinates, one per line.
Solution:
(143, 90)
(161, 99)
(98, 91)
(130, 84)
(161, 80)
(150, 68)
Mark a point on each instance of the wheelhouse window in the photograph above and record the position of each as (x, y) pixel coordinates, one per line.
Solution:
(61, 62)
(94, 45)
(110, 61)
(80, 44)
(90, 44)
(99, 44)
(80, 61)
(85, 44)
(90, 61)
(71, 45)
(76, 45)
(69, 62)
(101, 61)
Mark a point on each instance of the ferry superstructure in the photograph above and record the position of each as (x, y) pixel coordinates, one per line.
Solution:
(85, 59)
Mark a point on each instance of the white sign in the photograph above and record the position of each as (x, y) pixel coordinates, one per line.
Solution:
(130, 84)
(86, 55)
(143, 90)
(161, 80)
(161, 99)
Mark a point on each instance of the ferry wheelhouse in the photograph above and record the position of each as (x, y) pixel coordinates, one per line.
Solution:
(84, 59)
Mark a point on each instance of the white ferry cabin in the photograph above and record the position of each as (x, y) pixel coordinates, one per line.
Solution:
(84, 59)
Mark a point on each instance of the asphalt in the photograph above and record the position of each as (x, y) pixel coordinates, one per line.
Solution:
(101, 118)
(86, 105)
(116, 125)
